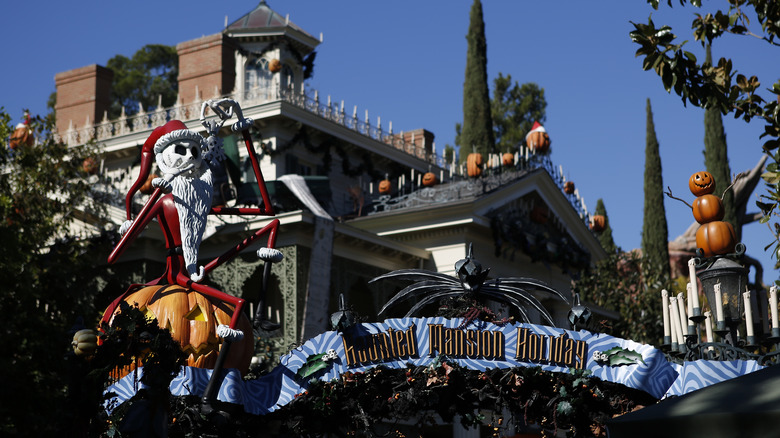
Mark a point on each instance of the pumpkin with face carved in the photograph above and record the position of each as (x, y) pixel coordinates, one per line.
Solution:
(508, 159)
(474, 164)
(429, 179)
(701, 183)
(598, 223)
(385, 187)
(192, 318)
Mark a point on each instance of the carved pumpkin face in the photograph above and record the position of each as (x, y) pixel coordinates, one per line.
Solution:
(539, 142)
(384, 187)
(716, 238)
(429, 179)
(474, 165)
(192, 318)
(508, 159)
(707, 208)
(701, 183)
(598, 223)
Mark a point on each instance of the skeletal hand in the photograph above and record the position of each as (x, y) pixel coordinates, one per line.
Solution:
(125, 226)
(163, 184)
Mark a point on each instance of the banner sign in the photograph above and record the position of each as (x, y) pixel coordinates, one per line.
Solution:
(476, 345)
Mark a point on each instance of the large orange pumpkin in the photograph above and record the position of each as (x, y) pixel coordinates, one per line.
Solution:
(474, 164)
(192, 318)
(538, 141)
(508, 159)
(701, 183)
(598, 223)
(274, 66)
(385, 187)
(716, 238)
(429, 179)
(707, 208)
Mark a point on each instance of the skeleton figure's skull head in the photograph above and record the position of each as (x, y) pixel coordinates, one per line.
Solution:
(180, 156)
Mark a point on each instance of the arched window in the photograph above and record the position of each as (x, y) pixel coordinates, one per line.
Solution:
(288, 78)
(258, 78)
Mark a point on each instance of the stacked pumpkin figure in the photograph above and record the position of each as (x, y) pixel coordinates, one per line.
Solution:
(714, 236)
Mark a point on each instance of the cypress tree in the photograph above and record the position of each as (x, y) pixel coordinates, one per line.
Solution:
(716, 159)
(605, 237)
(477, 129)
(655, 233)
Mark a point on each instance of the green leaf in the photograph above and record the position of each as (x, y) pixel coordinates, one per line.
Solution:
(314, 363)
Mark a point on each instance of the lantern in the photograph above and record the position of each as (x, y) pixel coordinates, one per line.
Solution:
(508, 159)
(568, 187)
(701, 183)
(474, 164)
(537, 139)
(429, 179)
(274, 66)
(192, 318)
(384, 187)
(598, 223)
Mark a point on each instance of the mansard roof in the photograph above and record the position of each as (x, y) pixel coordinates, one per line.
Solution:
(263, 22)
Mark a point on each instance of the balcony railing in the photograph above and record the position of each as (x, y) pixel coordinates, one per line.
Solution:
(308, 100)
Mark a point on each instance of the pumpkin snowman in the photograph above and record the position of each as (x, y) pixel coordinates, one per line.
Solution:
(714, 236)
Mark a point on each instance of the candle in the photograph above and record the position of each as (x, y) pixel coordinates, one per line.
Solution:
(708, 326)
(665, 311)
(675, 317)
(681, 305)
(694, 283)
(689, 289)
(773, 306)
(748, 313)
(718, 303)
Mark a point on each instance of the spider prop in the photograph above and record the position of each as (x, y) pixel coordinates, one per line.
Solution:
(429, 287)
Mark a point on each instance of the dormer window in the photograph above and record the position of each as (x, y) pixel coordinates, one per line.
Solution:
(258, 78)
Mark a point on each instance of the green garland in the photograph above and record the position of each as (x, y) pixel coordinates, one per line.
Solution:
(366, 164)
(574, 403)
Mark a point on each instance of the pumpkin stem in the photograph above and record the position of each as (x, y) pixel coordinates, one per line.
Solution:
(669, 194)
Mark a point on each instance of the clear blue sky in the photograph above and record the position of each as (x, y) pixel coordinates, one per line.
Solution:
(404, 62)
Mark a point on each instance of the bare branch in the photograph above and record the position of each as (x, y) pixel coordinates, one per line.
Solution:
(669, 194)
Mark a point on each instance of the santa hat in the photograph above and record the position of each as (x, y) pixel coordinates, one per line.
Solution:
(158, 140)
(536, 128)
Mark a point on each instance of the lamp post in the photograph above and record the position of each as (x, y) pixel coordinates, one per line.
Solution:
(726, 278)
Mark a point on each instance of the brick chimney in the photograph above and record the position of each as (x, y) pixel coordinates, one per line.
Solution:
(82, 93)
(206, 63)
(421, 138)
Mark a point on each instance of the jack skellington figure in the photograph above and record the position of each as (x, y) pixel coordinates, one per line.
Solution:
(181, 203)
